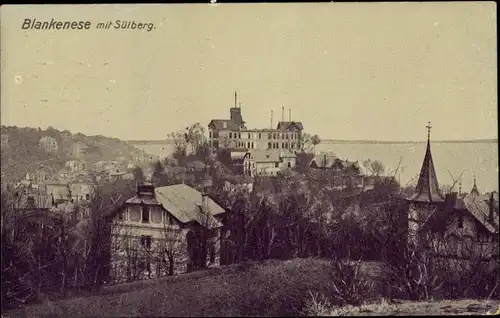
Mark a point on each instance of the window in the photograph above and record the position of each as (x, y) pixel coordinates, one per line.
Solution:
(146, 241)
(145, 215)
(134, 214)
(230, 135)
(248, 144)
(120, 216)
(259, 135)
(87, 196)
(269, 136)
(460, 222)
(210, 134)
(276, 165)
(249, 136)
(252, 145)
(268, 145)
(289, 165)
(282, 145)
(156, 215)
(239, 135)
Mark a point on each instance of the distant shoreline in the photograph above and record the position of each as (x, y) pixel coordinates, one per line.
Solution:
(358, 142)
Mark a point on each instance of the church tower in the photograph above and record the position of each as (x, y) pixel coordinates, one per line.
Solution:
(427, 197)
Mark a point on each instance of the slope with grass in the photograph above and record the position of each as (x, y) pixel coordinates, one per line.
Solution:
(271, 288)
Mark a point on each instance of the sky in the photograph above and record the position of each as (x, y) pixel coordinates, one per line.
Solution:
(358, 71)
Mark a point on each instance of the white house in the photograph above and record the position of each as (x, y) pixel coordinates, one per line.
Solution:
(267, 162)
(157, 232)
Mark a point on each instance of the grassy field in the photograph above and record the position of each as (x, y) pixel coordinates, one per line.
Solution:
(270, 288)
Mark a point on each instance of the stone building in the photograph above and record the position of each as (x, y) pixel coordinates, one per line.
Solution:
(233, 133)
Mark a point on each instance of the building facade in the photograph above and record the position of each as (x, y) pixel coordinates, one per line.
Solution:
(258, 162)
(5, 140)
(233, 133)
(49, 144)
(157, 232)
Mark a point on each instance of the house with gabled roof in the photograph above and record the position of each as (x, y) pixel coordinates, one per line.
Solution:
(452, 225)
(157, 220)
(267, 162)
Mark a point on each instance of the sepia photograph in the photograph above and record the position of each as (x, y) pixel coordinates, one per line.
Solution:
(249, 159)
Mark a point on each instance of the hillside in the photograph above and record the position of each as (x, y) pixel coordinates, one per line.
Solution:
(22, 151)
(270, 288)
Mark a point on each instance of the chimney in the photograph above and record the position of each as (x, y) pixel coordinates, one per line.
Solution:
(271, 119)
(282, 113)
(492, 208)
(145, 189)
(204, 200)
(290, 114)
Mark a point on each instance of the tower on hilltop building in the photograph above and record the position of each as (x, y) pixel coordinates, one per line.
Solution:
(235, 113)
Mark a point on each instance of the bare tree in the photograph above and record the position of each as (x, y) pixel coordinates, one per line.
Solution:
(172, 245)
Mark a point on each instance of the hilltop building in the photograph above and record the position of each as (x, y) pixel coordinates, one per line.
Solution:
(49, 144)
(233, 133)
(5, 140)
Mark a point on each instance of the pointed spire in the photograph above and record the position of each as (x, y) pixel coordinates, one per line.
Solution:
(427, 189)
(474, 187)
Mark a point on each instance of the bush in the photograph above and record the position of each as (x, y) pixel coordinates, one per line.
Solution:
(349, 285)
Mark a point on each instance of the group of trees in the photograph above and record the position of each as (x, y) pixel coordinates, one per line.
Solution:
(46, 253)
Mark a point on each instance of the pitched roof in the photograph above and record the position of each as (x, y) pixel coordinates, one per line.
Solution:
(184, 203)
(324, 160)
(196, 164)
(427, 189)
(481, 210)
(219, 124)
(286, 125)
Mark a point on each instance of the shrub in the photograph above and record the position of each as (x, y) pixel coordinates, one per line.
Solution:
(349, 285)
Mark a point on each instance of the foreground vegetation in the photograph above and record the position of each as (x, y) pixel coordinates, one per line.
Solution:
(269, 288)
